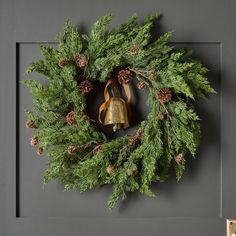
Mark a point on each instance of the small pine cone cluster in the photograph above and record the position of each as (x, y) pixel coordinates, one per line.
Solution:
(71, 150)
(110, 169)
(179, 158)
(85, 86)
(39, 151)
(164, 95)
(141, 85)
(132, 140)
(134, 49)
(34, 141)
(70, 118)
(125, 76)
(96, 149)
(80, 60)
(63, 62)
(29, 124)
(139, 133)
(161, 115)
(152, 76)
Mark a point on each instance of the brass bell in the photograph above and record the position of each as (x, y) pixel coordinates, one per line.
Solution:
(115, 108)
(117, 114)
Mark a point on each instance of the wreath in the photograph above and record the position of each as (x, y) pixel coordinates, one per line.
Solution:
(81, 156)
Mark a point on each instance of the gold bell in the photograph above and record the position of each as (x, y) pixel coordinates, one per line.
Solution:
(115, 108)
(117, 114)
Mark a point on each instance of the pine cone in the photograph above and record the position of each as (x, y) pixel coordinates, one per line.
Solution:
(71, 150)
(86, 86)
(39, 151)
(110, 169)
(179, 158)
(63, 62)
(34, 141)
(152, 76)
(132, 140)
(80, 60)
(141, 85)
(134, 49)
(96, 149)
(161, 115)
(124, 76)
(164, 95)
(70, 118)
(29, 124)
(139, 133)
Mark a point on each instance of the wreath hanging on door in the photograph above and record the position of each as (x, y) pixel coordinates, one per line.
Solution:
(80, 156)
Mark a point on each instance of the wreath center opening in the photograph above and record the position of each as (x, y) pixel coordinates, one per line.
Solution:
(117, 106)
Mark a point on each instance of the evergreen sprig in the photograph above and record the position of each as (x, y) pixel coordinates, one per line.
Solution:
(164, 141)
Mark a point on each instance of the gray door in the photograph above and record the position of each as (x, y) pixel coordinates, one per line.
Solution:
(198, 205)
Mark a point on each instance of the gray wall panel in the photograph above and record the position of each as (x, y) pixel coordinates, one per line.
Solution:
(198, 205)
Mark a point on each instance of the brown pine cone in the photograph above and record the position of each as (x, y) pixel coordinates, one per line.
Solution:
(132, 140)
(70, 118)
(71, 150)
(34, 141)
(161, 115)
(134, 49)
(124, 76)
(29, 124)
(63, 62)
(110, 169)
(80, 60)
(85, 86)
(96, 149)
(141, 85)
(179, 158)
(39, 151)
(152, 76)
(139, 133)
(164, 95)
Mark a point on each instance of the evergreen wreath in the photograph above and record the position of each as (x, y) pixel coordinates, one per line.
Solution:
(82, 157)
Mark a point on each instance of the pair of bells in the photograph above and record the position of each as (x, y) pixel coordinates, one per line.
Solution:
(115, 111)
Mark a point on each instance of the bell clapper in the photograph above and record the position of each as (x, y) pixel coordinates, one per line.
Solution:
(116, 127)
